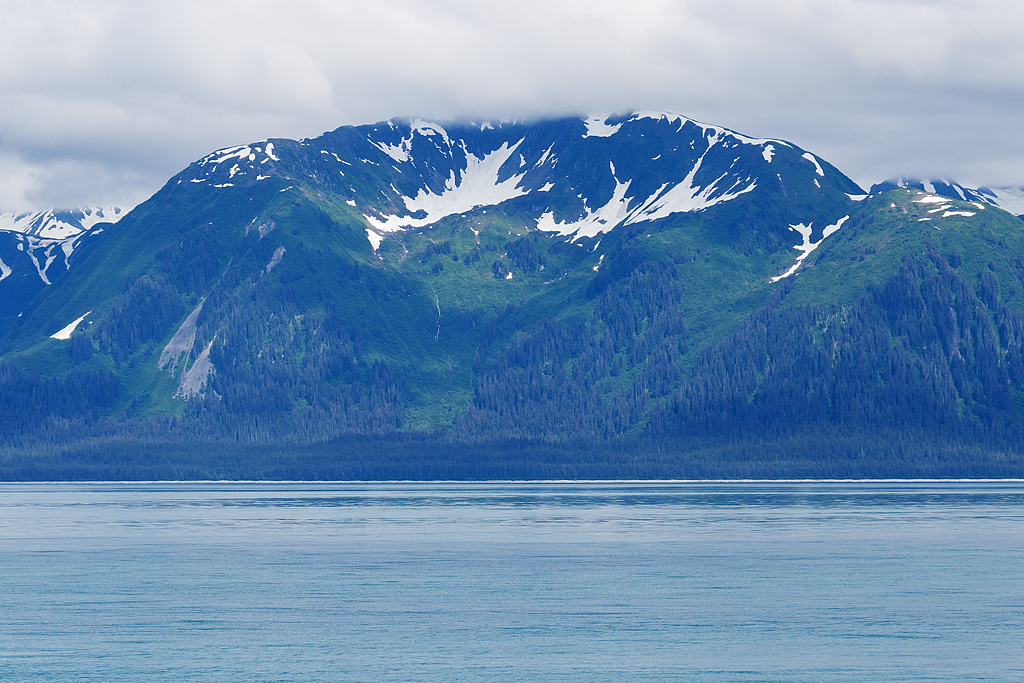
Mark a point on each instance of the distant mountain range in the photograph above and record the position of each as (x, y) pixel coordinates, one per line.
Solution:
(37, 248)
(1007, 198)
(59, 225)
(643, 284)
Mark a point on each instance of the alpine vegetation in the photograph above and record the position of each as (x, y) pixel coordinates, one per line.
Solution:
(627, 295)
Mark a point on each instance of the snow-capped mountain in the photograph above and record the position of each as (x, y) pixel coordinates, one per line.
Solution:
(46, 236)
(59, 225)
(577, 178)
(576, 278)
(36, 249)
(1007, 198)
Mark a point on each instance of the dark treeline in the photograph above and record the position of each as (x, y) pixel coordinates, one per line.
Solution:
(835, 453)
(30, 404)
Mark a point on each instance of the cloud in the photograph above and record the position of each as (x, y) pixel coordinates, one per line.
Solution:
(17, 181)
(129, 93)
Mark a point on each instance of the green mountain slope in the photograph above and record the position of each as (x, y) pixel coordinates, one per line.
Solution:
(281, 305)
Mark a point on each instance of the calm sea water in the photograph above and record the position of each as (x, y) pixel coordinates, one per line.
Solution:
(512, 582)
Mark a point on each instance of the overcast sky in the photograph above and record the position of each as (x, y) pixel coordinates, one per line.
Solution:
(101, 101)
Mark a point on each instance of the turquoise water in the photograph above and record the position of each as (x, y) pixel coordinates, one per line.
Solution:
(512, 582)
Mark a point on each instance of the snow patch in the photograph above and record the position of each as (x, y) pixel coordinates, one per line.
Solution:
(478, 186)
(683, 197)
(931, 199)
(65, 332)
(958, 213)
(428, 129)
(597, 128)
(374, 238)
(31, 245)
(714, 130)
(830, 229)
(5, 270)
(768, 152)
(241, 152)
(59, 225)
(817, 167)
(594, 222)
(686, 196)
(659, 115)
(399, 152)
(857, 197)
(807, 247)
(544, 156)
(1008, 198)
(68, 247)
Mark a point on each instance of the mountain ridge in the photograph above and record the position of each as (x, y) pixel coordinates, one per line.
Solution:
(1007, 198)
(601, 280)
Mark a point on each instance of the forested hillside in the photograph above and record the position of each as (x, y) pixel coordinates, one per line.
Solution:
(648, 297)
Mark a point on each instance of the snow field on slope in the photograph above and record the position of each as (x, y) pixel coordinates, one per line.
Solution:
(807, 247)
(479, 186)
(597, 128)
(1009, 199)
(595, 222)
(683, 197)
(65, 332)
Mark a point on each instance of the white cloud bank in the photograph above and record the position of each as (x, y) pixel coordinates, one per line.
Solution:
(103, 100)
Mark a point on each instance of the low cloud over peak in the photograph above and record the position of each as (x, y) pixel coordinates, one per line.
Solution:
(105, 99)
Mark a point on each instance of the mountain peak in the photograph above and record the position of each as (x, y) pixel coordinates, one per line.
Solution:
(59, 224)
(624, 169)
